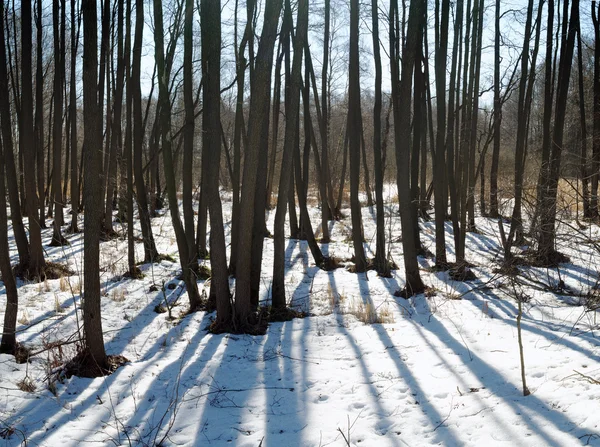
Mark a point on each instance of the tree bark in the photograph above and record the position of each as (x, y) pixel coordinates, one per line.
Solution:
(278, 289)
(401, 93)
(37, 262)
(211, 65)
(381, 263)
(354, 140)
(92, 321)
(57, 130)
(9, 159)
(150, 251)
(8, 342)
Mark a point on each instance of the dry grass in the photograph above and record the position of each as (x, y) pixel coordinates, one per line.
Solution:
(63, 284)
(26, 385)
(57, 307)
(24, 320)
(118, 295)
(368, 313)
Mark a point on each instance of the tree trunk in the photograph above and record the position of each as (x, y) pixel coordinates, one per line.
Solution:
(546, 241)
(9, 159)
(186, 258)
(292, 108)
(116, 134)
(8, 342)
(354, 140)
(57, 133)
(73, 121)
(36, 252)
(39, 116)
(401, 91)
(439, 182)
(92, 321)
(188, 136)
(381, 263)
(585, 180)
(596, 115)
(150, 251)
(494, 211)
(211, 65)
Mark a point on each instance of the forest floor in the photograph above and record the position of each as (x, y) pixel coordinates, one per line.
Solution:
(365, 368)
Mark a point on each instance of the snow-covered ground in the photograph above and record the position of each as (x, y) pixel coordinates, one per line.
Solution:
(441, 369)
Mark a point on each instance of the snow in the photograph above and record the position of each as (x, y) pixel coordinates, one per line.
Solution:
(441, 369)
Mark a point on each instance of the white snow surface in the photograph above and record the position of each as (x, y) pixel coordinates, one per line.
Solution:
(442, 369)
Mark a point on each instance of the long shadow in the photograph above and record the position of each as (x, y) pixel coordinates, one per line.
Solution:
(404, 371)
(385, 424)
(531, 325)
(114, 344)
(497, 384)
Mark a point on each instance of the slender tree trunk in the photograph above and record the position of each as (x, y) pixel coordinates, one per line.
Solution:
(253, 199)
(354, 132)
(188, 136)
(381, 263)
(401, 88)
(211, 70)
(150, 251)
(439, 182)
(525, 97)
(338, 206)
(116, 134)
(292, 106)
(8, 342)
(36, 261)
(239, 135)
(186, 258)
(547, 236)
(92, 321)
(73, 121)
(596, 115)
(133, 271)
(497, 116)
(583, 163)
(324, 128)
(275, 127)
(9, 159)
(39, 115)
(57, 130)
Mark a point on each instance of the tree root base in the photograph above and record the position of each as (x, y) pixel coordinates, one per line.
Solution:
(83, 365)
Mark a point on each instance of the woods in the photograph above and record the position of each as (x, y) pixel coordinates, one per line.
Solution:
(265, 134)
(229, 142)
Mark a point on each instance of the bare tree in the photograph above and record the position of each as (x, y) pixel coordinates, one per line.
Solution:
(211, 122)
(92, 321)
(37, 263)
(291, 130)
(57, 127)
(186, 257)
(354, 139)
(401, 88)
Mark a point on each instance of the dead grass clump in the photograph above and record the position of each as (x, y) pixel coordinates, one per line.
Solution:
(118, 295)
(57, 307)
(63, 285)
(367, 313)
(24, 319)
(26, 385)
